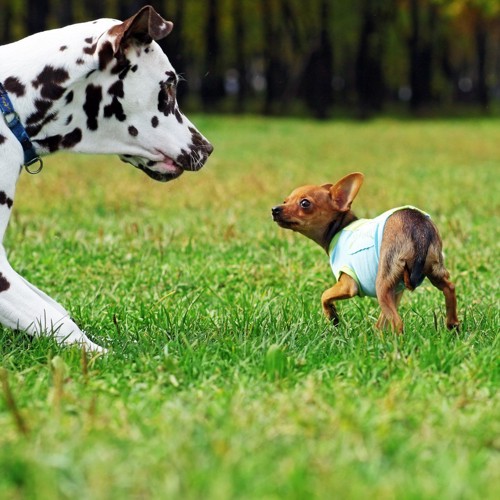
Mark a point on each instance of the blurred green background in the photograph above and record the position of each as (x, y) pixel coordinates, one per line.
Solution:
(320, 57)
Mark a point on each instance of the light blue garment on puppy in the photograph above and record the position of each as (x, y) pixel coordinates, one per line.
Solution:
(355, 251)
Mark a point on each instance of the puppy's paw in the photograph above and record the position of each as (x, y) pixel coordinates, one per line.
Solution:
(331, 313)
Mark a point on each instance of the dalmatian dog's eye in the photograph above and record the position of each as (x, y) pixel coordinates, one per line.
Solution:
(305, 203)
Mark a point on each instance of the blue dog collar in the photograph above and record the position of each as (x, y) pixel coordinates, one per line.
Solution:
(14, 123)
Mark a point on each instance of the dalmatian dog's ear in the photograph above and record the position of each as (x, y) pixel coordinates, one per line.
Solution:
(143, 27)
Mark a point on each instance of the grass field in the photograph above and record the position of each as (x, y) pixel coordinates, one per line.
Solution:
(224, 380)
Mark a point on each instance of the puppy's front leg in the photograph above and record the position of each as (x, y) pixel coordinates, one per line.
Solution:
(345, 288)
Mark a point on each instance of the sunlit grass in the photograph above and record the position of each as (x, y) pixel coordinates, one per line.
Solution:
(224, 380)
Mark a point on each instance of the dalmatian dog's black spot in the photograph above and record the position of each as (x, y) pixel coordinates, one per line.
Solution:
(121, 69)
(49, 80)
(14, 86)
(90, 50)
(106, 55)
(42, 106)
(166, 104)
(33, 130)
(115, 109)
(71, 139)
(4, 284)
(56, 142)
(93, 98)
(116, 89)
(98, 87)
(40, 117)
(5, 200)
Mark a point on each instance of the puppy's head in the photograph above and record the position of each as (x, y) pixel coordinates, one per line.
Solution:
(311, 210)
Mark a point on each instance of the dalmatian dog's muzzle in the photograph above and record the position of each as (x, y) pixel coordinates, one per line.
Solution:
(167, 169)
(106, 87)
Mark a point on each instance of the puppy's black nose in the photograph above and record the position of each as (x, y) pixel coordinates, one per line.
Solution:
(276, 211)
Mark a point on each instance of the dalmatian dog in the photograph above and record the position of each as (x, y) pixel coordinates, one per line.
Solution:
(103, 86)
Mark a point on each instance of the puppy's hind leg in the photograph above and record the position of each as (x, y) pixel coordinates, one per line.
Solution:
(389, 276)
(382, 321)
(439, 277)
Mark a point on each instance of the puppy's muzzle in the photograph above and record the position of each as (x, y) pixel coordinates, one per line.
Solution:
(277, 213)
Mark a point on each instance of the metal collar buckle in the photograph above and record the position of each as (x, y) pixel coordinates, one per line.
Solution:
(32, 162)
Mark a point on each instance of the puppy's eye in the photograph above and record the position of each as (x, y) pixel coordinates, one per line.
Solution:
(305, 203)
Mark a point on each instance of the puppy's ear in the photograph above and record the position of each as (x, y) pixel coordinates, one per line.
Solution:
(345, 190)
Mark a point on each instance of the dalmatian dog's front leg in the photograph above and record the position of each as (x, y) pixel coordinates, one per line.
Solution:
(25, 307)
(22, 305)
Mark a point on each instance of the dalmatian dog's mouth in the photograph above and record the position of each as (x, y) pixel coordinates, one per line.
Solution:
(162, 171)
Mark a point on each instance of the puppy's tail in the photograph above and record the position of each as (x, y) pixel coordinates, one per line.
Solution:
(422, 236)
(414, 277)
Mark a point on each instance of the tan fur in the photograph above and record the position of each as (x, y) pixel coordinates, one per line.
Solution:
(411, 247)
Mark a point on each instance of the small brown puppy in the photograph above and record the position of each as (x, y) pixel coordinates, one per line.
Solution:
(376, 257)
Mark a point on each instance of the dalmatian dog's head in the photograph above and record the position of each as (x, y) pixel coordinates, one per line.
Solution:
(110, 89)
(156, 124)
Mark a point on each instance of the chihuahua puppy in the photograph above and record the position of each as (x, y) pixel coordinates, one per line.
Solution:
(378, 257)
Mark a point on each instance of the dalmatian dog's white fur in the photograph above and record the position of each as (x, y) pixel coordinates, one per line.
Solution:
(98, 87)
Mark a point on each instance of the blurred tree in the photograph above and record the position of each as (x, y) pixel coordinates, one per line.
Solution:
(421, 45)
(37, 18)
(318, 74)
(475, 21)
(274, 69)
(65, 13)
(5, 22)
(369, 74)
(240, 55)
(270, 54)
(174, 45)
(95, 8)
(212, 83)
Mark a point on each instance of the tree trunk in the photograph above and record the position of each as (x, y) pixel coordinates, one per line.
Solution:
(212, 84)
(5, 22)
(65, 13)
(173, 46)
(95, 9)
(239, 45)
(369, 77)
(37, 15)
(317, 79)
(481, 53)
(421, 50)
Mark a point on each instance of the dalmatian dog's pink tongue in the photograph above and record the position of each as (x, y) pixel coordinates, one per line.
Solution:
(168, 166)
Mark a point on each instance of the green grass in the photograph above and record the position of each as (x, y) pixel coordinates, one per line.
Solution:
(224, 380)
